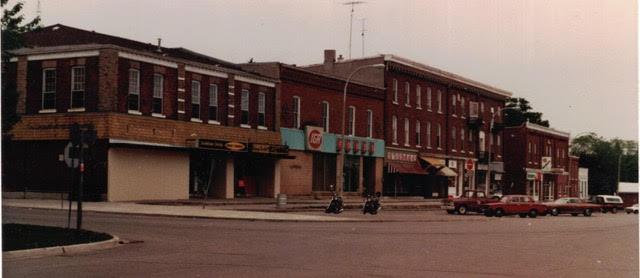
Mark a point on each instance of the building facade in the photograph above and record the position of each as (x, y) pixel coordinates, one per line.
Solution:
(436, 125)
(311, 126)
(170, 122)
(583, 177)
(538, 162)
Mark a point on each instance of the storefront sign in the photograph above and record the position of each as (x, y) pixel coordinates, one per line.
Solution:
(531, 176)
(269, 149)
(453, 164)
(235, 146)
(469, 165)
(546, 163)
(313, 135)
(398, 156)
(221, 145)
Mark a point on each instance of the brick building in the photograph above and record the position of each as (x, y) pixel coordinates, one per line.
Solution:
(311, 115)
(538, 162)
(434, 123)
(169, 121)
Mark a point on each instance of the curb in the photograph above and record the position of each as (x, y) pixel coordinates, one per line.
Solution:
(65, 250)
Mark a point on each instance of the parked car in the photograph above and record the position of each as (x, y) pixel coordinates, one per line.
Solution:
(610, 203)
(521, 205)
(631, 209)
(470, 200)
(573, 206)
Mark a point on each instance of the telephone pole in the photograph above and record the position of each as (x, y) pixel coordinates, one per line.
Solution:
(352, 3)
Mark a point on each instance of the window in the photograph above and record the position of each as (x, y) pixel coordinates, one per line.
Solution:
(418, 141)
(428, 134)
(406, 132)
(261, 109)
(351, 121)
(324, 171)
(438, 136)
(481, 141)
(394, 127)
(296, 112)
(195, 99)
(462, 142)
(77, 87)
(439, 101)
(429, 98)
(395, 91)
(453, 138)
(418, 97)
(134, 90)
(244, 107)
(529, 147)
(407, 91)
(453, 105)
(213, 102)
(482, 107)
(462, 109)
(499, 139)
(369, 123)
(325, 116)
(158, 89)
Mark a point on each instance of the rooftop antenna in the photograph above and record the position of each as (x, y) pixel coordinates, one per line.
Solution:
(352, 3)
(362, 34)
(38, 11)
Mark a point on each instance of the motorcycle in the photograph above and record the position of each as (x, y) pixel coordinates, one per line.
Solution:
(336, 205)
(371, 203)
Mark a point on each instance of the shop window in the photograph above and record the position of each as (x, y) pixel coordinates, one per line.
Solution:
(244, 107)
(77, 87)
(195, 99)
(296, 112)
(324, 171)
(158, 90)
(133, 99)
(261, 109)
(351, 173)
(325, 116)
(213, 103)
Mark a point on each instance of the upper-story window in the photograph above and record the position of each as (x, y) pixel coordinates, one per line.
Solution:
(48, 89)
(418, 141)
(351, 121)
(482, 107)
(133, 99)
(244, 107)
(325, 116)
(369, 123)
(213, 103)
(470, 135)
(418, 97)
(499, 140)
(439, 136)
(394, 128)
(158, 91)
(481, 141)
(296, 112)
(453, 138)
(462, 142)
(77, 87)
(429, 98)
(428, 134)
(406, 132)
(195, 99)
(463, 111)
(439, 101)
(453, 105)
(261, 110)
(395, 91)
(407, 91)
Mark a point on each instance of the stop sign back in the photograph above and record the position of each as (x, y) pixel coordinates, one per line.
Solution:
(469, 165)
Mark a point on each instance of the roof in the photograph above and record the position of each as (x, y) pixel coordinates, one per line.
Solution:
(542, 129)
(628, 187)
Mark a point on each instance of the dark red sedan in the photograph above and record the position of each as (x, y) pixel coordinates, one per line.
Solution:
(521, 205)
(573, 206)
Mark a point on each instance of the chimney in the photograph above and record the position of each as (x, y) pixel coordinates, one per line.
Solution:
(329, 59)
(159, 45)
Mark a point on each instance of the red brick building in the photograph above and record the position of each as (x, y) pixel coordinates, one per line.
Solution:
(434, 123)
(538, 164)
(169, 121)
(311, 110)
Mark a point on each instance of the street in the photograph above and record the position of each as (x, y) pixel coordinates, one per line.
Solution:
(411, 244)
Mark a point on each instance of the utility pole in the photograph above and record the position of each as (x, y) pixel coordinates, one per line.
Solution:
(352, 3)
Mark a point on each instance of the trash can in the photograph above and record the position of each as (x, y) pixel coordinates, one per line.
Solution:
(281, 200)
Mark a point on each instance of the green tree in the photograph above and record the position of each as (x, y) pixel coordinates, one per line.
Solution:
(13, 25)
(519, 111)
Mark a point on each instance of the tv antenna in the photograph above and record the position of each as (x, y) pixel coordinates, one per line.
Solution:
(38, 10)
(362, 34)
(352, 3)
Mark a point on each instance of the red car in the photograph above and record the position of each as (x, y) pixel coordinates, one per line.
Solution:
(521, 205)
(470, 200)
(574, 206)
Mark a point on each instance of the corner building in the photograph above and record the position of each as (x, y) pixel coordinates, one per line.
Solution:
(170, 122)
(435, 124)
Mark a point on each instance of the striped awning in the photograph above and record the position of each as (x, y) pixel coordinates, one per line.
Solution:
(405, 168)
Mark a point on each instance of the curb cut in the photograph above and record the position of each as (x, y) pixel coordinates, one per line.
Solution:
(65, 250)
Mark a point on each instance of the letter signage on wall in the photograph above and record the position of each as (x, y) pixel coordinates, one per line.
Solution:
(313, 135)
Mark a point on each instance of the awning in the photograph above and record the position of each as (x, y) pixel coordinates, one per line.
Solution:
(447, 172)
(435, 162)
(405, 168)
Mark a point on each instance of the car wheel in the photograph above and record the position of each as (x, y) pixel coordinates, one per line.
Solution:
(499, 212)
(635, 212)
(522, 215)
(488, 213)
(555, 212)
(614, 210)
(462, 210)
(533, 213)
(604, 210)
(628, 212)
(574, 214)
(587, 212)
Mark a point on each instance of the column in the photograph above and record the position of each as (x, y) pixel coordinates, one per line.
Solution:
(276, 178)
(229, 179)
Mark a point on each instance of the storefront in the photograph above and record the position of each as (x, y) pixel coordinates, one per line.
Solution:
(534, 183)
(409, 173)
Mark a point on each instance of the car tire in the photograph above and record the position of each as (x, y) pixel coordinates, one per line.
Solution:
(574, 214)
(555, 212)
(462, 210)
(614, 210)
(587, 212)
(533, 213)
(488, 213)
(522, 215)
(499, 212)
(635, 212)
(628, 212)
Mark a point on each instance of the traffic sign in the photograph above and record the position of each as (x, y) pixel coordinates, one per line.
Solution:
(71, 157)
(469, 165)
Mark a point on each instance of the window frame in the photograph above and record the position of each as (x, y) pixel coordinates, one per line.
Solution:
(214, 103)
(406, 132)
(407, 90)
(395, 91)
(394, 129)
(297, 101)
(196, 101)
(133, 90)
(262, 110)
(158, 94)
(245, 104)
(439, 136)
(439, 100)
(429, 134)
(46, 92)
(351, 120)
(418, 135)
(72, 107)
(418, 96)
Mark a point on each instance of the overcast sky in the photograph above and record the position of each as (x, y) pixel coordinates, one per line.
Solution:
(575, 61)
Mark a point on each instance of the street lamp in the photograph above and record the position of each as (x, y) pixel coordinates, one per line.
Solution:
(487, 179)
(344, 103)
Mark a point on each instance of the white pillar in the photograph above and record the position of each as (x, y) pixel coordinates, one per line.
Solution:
(276, 178)
(229, 179)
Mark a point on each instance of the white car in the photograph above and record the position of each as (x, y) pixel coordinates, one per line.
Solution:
(631, 209)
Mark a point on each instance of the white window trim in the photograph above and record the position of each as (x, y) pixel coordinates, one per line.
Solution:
(395, 91)
(212, 122)
(161, 93)
(439, 101)
(245, 126)
(196, 120)
(217, 106)
(129, 92)
(407, 91)
(418, 133)
(407, 132)
(44, 86)
(262, 96)
(72, 90)
(134, 112)
(261, 127)
(79, 109)
(418, 97)
(157, 115)
(45, 111)
(394, 129)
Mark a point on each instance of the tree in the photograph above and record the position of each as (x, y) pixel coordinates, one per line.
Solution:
(519, 111)
(12, 28)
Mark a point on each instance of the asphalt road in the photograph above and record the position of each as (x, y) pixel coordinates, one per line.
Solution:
(416, 244)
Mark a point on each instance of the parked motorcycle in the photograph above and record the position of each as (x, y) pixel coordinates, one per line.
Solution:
(371, 203)
(336, 205)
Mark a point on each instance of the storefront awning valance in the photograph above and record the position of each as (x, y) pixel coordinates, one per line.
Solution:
(405, 168)
(447, 172)
(436, 162)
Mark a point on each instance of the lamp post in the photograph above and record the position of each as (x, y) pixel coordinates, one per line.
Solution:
(487, 179)
(344, 105)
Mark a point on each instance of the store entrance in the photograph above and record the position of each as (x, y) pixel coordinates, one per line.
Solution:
(204, 167)
(253, 176)
(369, 174)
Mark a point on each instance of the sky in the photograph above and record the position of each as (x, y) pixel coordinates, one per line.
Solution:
(575, 61)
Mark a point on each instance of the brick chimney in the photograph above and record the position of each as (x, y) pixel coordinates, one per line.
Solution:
(329, 59)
